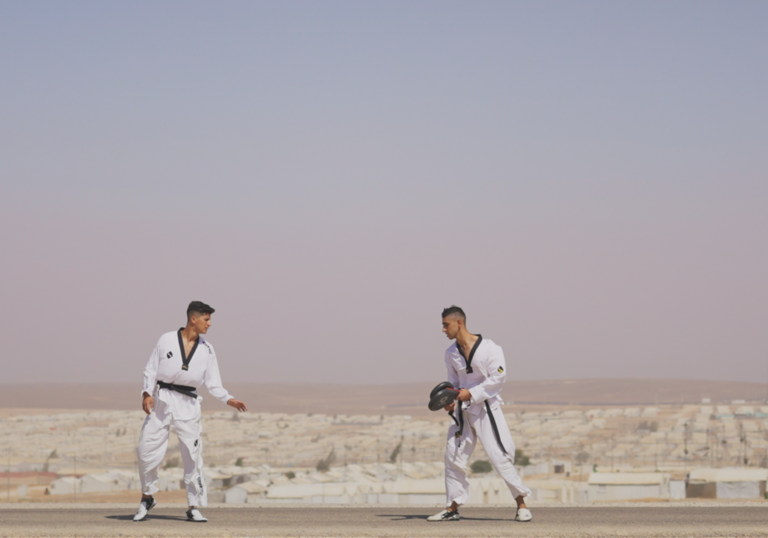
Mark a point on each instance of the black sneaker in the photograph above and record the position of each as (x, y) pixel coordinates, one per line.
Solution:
(445, 515)
(144, 508)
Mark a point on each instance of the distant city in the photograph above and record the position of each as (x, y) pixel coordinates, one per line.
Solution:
(564, 452)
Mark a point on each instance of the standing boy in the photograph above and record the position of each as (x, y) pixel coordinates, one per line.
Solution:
(477, 367)
(181, 362)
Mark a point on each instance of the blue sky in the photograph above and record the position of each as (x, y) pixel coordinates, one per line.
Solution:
(589, 180)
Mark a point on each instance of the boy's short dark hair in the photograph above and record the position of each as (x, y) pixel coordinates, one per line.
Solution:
(454, 310)
(198, 308)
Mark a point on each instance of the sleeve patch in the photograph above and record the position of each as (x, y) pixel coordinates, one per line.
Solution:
(501, 369)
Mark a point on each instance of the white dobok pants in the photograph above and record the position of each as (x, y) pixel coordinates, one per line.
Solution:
(459, 449)
(154, 443)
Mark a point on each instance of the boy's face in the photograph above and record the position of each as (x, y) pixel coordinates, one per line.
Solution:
(201, 323)
(451, 325)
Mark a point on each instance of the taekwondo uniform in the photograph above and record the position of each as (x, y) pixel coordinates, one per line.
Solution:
(483, 373)
(171, 378)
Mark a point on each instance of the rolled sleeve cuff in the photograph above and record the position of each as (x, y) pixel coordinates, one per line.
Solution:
(226, 398)
(478, 395)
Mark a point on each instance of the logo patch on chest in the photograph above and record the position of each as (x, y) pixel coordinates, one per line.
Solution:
(169, 355)
(501, 370)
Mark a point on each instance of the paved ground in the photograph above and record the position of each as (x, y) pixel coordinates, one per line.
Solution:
(321, 521)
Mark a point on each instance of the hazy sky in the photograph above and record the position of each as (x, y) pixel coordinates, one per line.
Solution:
(589, 180)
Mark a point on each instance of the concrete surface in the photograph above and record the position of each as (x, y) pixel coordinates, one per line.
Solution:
(319, 521)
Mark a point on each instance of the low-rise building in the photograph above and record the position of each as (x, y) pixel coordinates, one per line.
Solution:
(245, 492)
(727, 483)
(66, 485)
(628, 486)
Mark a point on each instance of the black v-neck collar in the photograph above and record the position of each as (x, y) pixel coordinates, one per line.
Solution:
(184, 359)
(468, 361)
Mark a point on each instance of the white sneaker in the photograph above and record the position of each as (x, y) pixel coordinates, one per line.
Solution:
(144, 507)
(445, 515)
(523, 514)
(193, 514)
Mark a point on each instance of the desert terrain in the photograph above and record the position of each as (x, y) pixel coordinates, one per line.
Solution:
(408, 398)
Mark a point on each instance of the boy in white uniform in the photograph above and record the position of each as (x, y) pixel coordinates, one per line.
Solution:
(181, 362)
(476, 366)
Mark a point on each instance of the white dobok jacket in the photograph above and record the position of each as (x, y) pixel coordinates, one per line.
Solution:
(487, 376)
(166, 363)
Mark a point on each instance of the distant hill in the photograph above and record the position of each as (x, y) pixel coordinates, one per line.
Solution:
(409, 398)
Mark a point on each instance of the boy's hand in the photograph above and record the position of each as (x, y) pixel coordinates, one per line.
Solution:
(237, 404)
(148, 404)
(464, 395)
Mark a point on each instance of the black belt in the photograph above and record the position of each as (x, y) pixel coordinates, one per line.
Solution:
(495, 427)
(460, 420)
(181, 389)
(460, 423)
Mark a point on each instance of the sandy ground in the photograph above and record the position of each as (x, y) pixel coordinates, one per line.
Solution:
(320, 521)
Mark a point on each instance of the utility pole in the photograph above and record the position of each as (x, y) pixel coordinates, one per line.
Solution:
(685, 444)
(8, 477)
(346, 449)
(724, 442)
(610, 452)
(538, 438)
